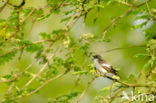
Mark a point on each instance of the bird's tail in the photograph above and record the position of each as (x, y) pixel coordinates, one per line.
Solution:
(115, 73)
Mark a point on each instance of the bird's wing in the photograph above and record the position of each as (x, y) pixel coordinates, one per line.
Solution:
(106, 66)
(109, 68)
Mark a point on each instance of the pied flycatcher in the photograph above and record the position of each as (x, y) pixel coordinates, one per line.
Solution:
(102, 66)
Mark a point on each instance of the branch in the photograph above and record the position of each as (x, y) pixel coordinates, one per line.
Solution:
(78, 79)
(15, 49)
(150, 72)
(31, 28)
(114, 49)
(17, 75)
(47, 81)
(127, 84)
(22, 47)
(149, 11)
(142, 4)
(70, 21)
(18, 26)
(120, 90)
(41, 86)
(121, 16)
(43, 68)
(125, 3)
(148, 7)
(1, 9)
(115, 21)
(89, 83)
(16, 6)
(52, 41)
(32, 11)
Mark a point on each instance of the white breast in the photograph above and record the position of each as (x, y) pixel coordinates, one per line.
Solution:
(99, 67)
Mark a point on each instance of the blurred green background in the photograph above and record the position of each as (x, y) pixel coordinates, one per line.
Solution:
(120, 36)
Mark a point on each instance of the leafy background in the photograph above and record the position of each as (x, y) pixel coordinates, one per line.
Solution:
(62, 35)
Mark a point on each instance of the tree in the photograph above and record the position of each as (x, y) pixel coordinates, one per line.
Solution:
(62, 49)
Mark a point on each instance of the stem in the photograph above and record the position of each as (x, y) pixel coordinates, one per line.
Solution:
(114, 49)
(127, 84)
(89, 83)
(115, 21)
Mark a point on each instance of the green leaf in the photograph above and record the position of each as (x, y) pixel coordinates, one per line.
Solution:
(57, 31)
(7, 57)
(9, 101)
(76, 68)
(65, 19)
(109, 2)
(64, 98)
(39, 12)
(105, 89)
(98, 5)
(9, 76)
(118, 69)
(131, 78)
(79, 72)
(147, 66)
(103, 40)
(43, 17)
(24, 43)
(45, 36)
(33, 47)
(140, 55)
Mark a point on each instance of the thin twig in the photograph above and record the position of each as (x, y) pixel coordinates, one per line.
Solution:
(36, 75)
(142, 4)
(115, 21)
(11, 86)
(114, 49)
(111, 87)
(78, 79)
(71, 19)
(47, 81)
(1, 8)
(43, 68)
(148, 7)
(41, 86)
(32, 25)
(32, 11)
(120, 17)
(16, 6)
(18, 75)
(85, 90)
(120, 90)
(22, 47)
(126, 3)
(150, 72)
(127, 84)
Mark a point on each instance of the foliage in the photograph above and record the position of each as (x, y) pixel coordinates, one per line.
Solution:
(60, 52)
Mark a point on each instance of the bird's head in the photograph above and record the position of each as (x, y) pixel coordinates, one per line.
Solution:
(97, 56)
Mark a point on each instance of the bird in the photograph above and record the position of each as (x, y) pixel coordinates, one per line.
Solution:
(102, 66)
